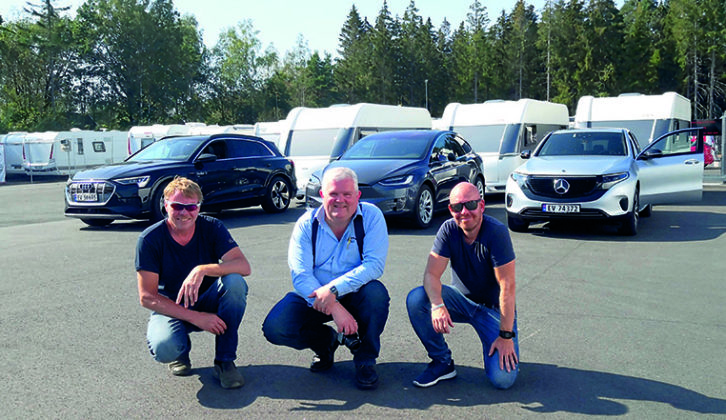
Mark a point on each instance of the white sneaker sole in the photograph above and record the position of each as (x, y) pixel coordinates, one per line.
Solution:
(434, 382)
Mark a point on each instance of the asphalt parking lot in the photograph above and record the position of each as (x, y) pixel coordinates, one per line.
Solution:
(610, 326)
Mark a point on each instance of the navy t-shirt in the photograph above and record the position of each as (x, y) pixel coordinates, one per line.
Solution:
(473, 265)
(158, 252)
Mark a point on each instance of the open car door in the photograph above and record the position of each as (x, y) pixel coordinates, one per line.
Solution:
(671, 168)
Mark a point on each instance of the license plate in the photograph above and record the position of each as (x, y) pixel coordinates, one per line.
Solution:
(86, 197)
(561, 208)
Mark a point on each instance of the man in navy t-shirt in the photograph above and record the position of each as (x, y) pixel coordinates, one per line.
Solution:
(189, 271)
(481, 294)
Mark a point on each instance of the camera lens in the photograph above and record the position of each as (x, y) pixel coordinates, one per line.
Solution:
(351, 341)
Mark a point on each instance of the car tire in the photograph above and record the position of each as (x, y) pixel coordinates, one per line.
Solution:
(157, 203)
(630, 223)
(516, 223)
(278, 196)
(423, 211)
(647, 211)
(480, 186)
(97, 222)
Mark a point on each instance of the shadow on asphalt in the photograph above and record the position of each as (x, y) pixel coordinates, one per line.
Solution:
(540, 388)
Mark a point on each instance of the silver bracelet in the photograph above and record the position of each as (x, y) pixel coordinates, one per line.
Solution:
(435, 307)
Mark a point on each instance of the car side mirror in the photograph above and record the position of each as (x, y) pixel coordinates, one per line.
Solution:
(206, 157)
(650, 154)
(526, 154)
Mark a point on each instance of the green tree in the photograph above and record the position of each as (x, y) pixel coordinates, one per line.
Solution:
(639, 70)
(142, 57)
(603, 39)
(239, 69)
(385, 87)
(352, 73)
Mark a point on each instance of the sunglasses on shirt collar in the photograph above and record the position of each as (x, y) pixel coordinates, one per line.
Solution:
(181, 206)
(470, 205)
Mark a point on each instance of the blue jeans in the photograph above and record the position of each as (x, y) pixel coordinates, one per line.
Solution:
(461, 309)
(168, 338)
(293, 323)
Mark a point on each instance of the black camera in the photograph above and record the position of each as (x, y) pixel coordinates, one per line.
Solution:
(351, 341)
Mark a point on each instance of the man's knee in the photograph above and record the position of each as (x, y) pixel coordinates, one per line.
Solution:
(235, 286)
(501, 379)
(416, 298)
(273, 330)
(167, 349)
(376, 295)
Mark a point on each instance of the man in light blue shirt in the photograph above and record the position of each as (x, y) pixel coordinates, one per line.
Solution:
(335, 278)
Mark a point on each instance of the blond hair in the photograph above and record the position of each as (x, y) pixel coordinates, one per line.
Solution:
(186, 186)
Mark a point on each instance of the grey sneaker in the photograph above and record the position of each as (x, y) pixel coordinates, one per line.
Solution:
(228, 375)
(181, 367)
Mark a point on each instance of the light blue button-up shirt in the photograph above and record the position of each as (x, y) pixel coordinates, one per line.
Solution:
(337, 262)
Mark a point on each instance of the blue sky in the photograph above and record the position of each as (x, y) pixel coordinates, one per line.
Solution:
(280, 23)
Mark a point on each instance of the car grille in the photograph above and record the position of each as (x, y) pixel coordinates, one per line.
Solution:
(578, 186)
(89, 193)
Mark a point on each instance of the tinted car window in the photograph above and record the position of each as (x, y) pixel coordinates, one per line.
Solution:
(217, 148)
(247, 148)
(464, 145)
(455, 147)
(439, 149)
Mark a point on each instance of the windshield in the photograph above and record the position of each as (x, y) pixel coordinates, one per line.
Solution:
(483, 138)
(319, 142)
(640, 128)
(177, 149)
(389, 147)
(579, 143)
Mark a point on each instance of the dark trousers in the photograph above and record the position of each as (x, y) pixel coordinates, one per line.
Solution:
(293, 323)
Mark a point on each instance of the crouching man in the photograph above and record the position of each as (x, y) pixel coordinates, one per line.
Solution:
(481, 293)
(336, 254)
(189, 271)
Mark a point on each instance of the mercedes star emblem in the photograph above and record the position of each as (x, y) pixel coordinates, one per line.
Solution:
(561, 186)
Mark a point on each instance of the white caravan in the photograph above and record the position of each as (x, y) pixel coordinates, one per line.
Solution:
(500, 130)
(312, 137)
(269, 131)
(646, 116)
(13, 144)
(67, 152)
(143, 135)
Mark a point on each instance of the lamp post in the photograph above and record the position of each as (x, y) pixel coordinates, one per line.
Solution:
(426, 87)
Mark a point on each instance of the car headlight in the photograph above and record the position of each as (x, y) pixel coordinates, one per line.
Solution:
(141, 181)
(396, 180)
(519, 178)
(611, 179)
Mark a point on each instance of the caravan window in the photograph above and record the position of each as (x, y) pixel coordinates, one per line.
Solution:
(641, 128)
(99, 146)
(80, 146)
(314, 142)
(500, 138)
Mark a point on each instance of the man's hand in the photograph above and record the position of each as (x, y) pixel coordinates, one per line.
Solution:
(324, 299)
(441, 320)
(343, 320)
(189, 291)
(209, 322)
(507, 356)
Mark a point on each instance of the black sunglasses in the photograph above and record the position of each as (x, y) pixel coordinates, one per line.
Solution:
(470, 205)
(181, 206)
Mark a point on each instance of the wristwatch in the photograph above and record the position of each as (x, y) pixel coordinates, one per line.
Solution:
(506, 334)
(334, 290)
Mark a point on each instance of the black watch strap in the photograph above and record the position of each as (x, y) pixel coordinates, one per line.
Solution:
(506, 334)
(334, 290)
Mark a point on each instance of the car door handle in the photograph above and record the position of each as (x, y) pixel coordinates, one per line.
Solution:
(692, 162)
